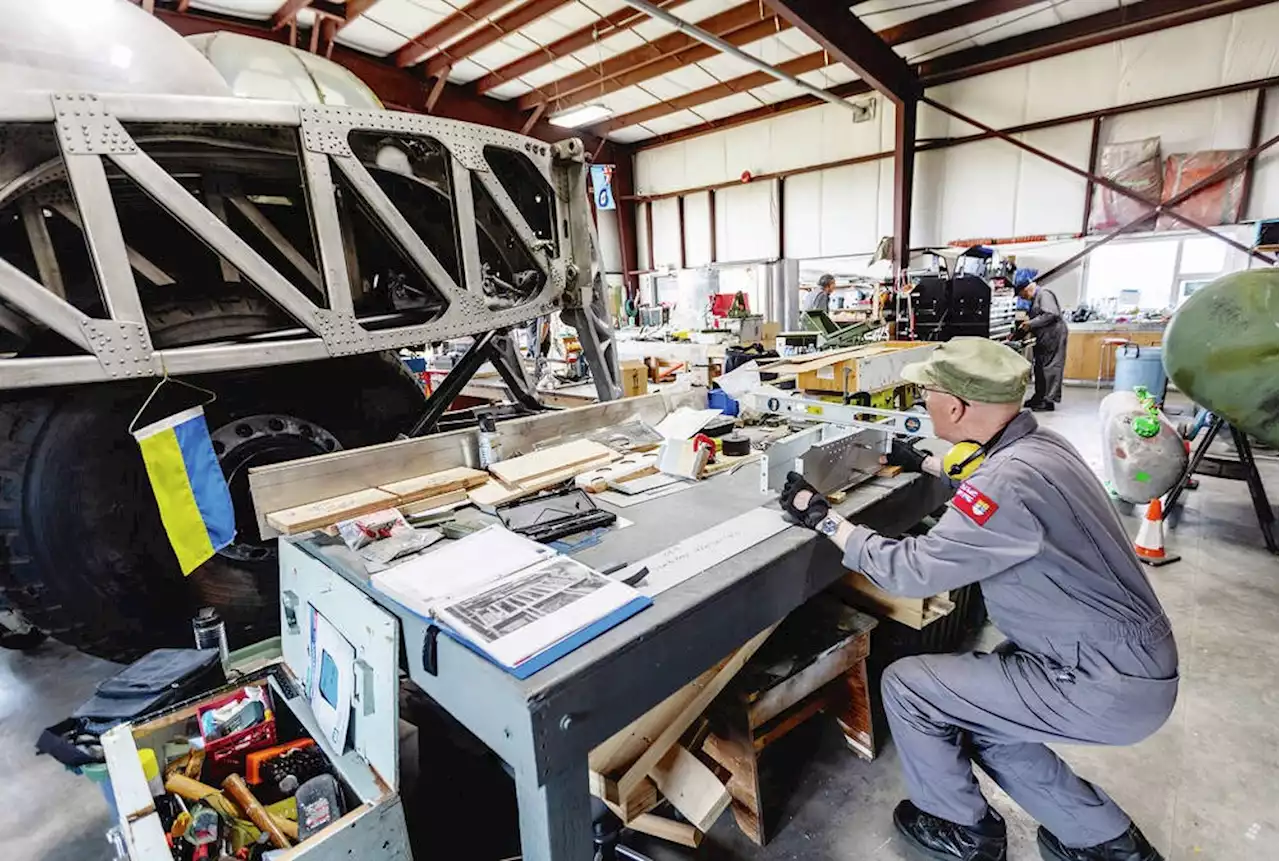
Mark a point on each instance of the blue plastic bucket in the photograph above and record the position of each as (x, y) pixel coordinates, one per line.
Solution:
(1140, 366)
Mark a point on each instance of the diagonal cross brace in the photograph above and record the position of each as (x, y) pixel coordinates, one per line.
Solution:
(1099, 180)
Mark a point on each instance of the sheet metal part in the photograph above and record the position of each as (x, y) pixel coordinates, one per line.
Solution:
(845, 461)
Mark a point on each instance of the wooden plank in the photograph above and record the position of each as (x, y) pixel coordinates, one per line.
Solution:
(829, 665)
(629, 467)
(789, 721)
(326, 512)
(852, 704)
(641, 800)
(693, 709)
(494, 492)
(453, 497)
(666, 829)
(691, 787)
(434, 484)
(529, 468)
(913, 612)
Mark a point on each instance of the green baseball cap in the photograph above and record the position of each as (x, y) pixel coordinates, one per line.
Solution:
(975, 369)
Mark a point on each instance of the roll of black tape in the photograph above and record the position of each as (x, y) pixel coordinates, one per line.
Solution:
(736, 445)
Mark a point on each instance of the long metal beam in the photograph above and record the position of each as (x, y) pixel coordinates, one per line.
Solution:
(449, 28)
(917, 28)
(739, 25)
(1103, 181)
(584, 37)
(498, 28)
(1085, 32)
(847, 38)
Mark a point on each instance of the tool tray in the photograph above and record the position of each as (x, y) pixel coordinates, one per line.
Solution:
(374, 824)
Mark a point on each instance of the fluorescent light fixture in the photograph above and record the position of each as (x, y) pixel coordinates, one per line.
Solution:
(572, 119)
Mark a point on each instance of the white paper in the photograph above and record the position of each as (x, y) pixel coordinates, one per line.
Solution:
(685, 422)
(694, 555)
(741, 380)
(526, 614)
(827, 373)
(331, 679)
(624, 500)
(458, 568)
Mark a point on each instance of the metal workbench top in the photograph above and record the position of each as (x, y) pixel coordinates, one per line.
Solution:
(545, 725)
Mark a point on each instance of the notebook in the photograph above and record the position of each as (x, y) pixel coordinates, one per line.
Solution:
(512, 600)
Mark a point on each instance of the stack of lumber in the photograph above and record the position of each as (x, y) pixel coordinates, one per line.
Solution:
(527, 474)
(646, 760)
(419, 493)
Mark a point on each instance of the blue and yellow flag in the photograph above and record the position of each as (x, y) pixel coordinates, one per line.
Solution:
(195, 504)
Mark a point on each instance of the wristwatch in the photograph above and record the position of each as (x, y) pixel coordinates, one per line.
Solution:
(829, 525)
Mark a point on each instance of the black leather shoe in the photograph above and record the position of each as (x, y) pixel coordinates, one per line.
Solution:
(1129, 846)
(1042, 407)
(942, 840)
(1032, 404)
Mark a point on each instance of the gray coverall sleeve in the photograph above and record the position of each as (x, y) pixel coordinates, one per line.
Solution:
(1049, 310)
(956, 552)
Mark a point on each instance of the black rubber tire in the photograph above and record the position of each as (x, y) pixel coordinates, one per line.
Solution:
(83, 554)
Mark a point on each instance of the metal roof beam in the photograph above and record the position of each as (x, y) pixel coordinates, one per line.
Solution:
(607, 26)
(919, 28)
(526, 13)
(853, 43)
(1145, 17)
(740, 25)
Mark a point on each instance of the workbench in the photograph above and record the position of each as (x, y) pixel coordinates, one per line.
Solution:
(543, 727)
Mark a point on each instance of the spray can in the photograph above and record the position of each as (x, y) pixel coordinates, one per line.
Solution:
(211, 633)
(489, 444)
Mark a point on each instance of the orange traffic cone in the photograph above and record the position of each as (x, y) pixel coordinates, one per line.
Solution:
(1149, 545)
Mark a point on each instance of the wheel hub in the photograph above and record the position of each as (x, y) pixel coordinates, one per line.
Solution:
(259, 440)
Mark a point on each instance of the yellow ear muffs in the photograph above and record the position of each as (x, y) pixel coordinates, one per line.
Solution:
(963, 460)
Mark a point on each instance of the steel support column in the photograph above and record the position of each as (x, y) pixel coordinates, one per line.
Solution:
(623, 187)
(904, 170)
(1255, 137)
(1093, 166)
(684, 253)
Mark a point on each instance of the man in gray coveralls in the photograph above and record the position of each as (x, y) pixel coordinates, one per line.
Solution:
(1046, 323)
(1090, 658)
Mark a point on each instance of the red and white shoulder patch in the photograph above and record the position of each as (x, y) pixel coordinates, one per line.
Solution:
(974, 504)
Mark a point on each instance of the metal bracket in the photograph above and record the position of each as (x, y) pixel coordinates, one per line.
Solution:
(341, 332)
(843, 462)
(123, 349)
(86, 128)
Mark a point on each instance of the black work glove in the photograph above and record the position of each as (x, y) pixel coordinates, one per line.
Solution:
(816, 507)
(907, 456)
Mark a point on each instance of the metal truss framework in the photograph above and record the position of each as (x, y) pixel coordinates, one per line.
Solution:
(91, 133)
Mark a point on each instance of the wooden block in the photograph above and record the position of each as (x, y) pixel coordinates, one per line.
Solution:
(692, 710)
(632, 466)
(435, 484)
(666, 829)
(831, 664)
(528, 468)
(641, 800)
(326, 512)
(913, 612)
(691, 787)
(453, 497)
(495, 492)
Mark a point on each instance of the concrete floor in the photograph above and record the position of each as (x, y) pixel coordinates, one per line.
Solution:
(1204, 787)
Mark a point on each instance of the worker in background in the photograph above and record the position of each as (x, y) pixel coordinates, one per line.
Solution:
(820, 299)
(1089, 659)
(1046, 323)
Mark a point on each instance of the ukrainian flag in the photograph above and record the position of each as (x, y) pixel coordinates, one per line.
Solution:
(191, 492)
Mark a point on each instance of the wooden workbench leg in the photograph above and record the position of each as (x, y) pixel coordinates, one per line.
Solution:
(852, 701)
(734, 750)
(555, 817)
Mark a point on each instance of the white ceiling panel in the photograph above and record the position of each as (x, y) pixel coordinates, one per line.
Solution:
(690, 78)
(366, 34)
(630, 134)
(255, 9)
(551, 71)
(931, 46)
(673, 122)
(698, 10)
(829, 76)
(627, 99)
(651, 28)
(600, 8)
(798, 42)
(725, 67)
(771, 50)
(1010, 24)
(509, 90)
(411, 18)
(735, 104)
(503, 51)
(603, 49)
(466, 71)
(881, 14)
(663, 87)
(778, 91)
(1072, 9)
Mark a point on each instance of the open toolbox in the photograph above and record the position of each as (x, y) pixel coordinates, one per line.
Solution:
(276, 735)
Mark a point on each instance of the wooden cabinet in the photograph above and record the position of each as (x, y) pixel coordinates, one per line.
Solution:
(1084, 351)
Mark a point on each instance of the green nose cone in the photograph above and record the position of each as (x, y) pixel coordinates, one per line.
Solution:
(1222, 346)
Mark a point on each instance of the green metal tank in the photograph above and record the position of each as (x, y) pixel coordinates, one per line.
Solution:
(1222, 346)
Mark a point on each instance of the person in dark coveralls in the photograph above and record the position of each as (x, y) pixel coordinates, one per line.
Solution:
(1046, 323)
(1089, 659)
(820, 299)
